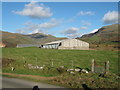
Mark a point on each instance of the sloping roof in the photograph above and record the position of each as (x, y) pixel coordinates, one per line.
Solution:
(59, 41)
(55, 42)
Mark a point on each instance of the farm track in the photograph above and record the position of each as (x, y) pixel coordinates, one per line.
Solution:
(29, 76)
(21, 84)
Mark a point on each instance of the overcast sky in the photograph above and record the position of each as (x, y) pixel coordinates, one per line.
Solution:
(61, 19)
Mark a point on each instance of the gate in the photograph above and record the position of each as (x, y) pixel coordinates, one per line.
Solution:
(100, 67)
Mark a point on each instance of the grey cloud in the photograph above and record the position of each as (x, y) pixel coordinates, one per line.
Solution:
(73, 31)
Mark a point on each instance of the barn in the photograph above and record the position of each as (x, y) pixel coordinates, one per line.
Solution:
(67, 44)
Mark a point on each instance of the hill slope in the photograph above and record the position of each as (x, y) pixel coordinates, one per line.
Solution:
(105, 35)
(12, 39)
(41, 38)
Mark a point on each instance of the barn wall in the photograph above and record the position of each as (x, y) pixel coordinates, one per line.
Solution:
(74, 44)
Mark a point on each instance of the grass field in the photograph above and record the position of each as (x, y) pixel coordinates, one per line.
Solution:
(80, 58)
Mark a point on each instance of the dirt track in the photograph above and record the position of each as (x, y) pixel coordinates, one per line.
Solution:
(29, 76)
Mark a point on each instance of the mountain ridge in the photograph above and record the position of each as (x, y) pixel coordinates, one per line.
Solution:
(104, 34)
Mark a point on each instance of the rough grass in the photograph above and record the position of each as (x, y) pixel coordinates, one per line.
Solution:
(91, 80)
(80, 58)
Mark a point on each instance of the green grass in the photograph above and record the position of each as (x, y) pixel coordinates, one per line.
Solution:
(81, 58)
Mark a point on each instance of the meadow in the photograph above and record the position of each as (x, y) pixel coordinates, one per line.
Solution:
(81, 58)
(53, 59)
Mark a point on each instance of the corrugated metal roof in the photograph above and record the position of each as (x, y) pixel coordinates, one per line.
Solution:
(59, 41)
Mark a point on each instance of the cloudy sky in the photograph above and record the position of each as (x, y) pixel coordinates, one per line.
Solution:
(61, 19)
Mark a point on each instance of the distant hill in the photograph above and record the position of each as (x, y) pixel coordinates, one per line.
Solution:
(43, 38)
(37, 35)
(104, 35)
(12, 39)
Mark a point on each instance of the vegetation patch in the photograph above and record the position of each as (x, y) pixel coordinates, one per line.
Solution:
(7, 62)
(91, 80)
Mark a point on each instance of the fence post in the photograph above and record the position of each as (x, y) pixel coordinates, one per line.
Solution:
(93, 66)
(106, 66)
(52, 64)
(72, 64)
(36, 61)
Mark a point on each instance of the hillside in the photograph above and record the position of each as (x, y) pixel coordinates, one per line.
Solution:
(41, 38)
(12, 39)
(104, 35)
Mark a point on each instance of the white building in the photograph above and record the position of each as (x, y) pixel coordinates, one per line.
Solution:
(67, 44)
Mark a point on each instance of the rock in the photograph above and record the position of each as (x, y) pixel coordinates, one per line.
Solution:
(72, 72)
(77, 70)
(61, 66)
(84, 71)
(68, 70)
(12, 68)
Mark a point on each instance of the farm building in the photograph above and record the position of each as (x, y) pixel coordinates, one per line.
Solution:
(67, 44)
(27, 45)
